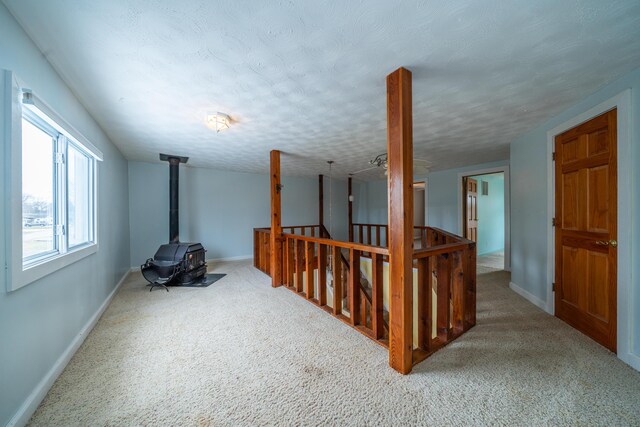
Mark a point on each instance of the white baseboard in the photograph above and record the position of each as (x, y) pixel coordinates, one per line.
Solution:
(233, 258)
(30, 405)
(631, 359)
(528, 296)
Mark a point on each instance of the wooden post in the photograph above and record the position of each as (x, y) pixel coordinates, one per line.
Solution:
(320, 204)
(350, 210)
(400, 189)
(276, 226)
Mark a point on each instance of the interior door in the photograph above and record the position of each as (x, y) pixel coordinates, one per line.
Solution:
(586, 228)
(471, 208)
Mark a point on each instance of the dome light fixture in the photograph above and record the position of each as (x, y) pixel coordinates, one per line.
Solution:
(218, 121)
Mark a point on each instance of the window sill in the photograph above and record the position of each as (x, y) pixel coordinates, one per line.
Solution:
(36, 271)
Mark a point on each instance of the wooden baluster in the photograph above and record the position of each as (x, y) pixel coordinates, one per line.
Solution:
(469, 271)
(378, 243)
(377, 319)
(457, 293)
(267, 253)
(369, 235)
(363, 308)
(423, 238)
(310, 253)
(259, 251)
(299, 264)
(337, 280)
(444, 276)
(386, 236)
(290, 261)
(360, 235)
(354, 286)
(266, 248)
(256, 248)
(322, 275)
(424, 305)
(285, 263)
(313, 232)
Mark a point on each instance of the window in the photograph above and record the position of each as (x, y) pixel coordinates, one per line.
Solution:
(57, 190)
(51, 171)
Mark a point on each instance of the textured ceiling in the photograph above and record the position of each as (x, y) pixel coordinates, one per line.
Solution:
(308, 77)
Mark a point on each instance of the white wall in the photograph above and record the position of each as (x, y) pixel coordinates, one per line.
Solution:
(42, 322)
(529, 205)
(221, 208)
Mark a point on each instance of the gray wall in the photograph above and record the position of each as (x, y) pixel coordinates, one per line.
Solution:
(370, 204)
(529, 163)
(221, 208)
(40, 321)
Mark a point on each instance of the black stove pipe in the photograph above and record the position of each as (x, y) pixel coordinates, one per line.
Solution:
(174, 180)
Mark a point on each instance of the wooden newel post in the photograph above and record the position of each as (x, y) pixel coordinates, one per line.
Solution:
(350, 210)
(400, 191)
(276, 225)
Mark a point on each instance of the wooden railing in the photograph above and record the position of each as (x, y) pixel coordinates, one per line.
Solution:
(446, 280)
(371, 234)
(308, 260)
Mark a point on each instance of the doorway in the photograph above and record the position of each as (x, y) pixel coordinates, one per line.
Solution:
(586, 186)
(419, 211)
(484, 217)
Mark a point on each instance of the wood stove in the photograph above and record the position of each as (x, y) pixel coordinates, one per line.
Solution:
(175, 263)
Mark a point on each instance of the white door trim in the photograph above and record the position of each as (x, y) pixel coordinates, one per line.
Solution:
(507, 207)
(622, 102)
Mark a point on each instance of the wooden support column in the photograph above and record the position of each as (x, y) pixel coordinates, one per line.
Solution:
(321, 204)
(400, 189)
(350, 210)
(276, 225)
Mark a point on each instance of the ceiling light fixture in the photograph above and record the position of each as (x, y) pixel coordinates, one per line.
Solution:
(218, 121)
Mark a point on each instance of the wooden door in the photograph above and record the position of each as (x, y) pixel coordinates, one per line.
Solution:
(586, 228)
(471, 208)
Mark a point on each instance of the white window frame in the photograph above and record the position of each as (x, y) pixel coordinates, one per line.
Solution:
(15, 99)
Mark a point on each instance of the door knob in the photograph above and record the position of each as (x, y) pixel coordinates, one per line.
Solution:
(613, 243)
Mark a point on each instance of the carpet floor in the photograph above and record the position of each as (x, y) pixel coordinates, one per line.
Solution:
(493, 260)
(241, 353)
